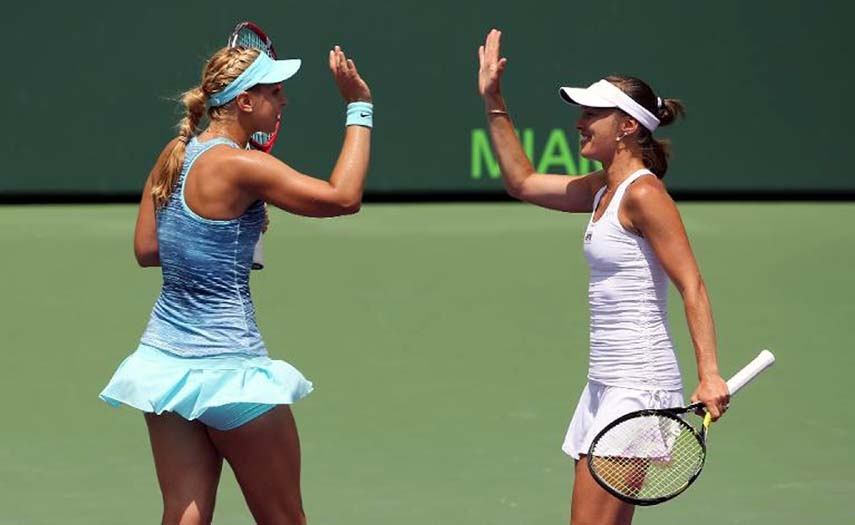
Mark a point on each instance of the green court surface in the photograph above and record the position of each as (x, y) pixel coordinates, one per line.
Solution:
(447, 344)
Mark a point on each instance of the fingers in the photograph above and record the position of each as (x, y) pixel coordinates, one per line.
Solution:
(339, 63)
(712, 408)
(351, 85)
(493, 45)
(717, 407)
(714, 411)
(341, 66)
(722, 403)
(489, 54)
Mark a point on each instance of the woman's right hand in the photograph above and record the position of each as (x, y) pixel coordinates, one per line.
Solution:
(350, 84)
(491, 65)
(714, 394)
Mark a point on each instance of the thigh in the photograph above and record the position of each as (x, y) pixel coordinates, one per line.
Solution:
(592, 504)
(265, 457)
(233, 415)
(188, 467)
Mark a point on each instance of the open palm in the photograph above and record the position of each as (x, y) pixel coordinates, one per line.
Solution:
(352, 87)
(491, 65)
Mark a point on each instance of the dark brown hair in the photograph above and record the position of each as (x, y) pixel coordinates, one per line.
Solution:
(655, 152)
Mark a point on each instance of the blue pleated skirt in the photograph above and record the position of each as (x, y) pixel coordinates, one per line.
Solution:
(155, 381)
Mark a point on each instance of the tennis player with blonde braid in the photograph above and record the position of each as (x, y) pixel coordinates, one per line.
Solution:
(634, 243)
(201, 373)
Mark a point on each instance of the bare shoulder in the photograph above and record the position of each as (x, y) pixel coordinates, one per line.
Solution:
(647, 193)
(249, 162)
(229, 159)
(647, 207)
(249, 168)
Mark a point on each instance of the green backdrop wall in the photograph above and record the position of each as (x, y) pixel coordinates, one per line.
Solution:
(88, 87)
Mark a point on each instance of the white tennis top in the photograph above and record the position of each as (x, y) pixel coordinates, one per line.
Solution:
(630, 338)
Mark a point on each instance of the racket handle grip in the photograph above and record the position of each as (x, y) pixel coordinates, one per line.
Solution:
(760, 363)
(258, 255)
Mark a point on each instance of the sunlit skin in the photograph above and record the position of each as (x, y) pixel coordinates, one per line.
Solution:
(270, 101)
(598, 128)
(261, 106)
(264, 453)
(609, 136)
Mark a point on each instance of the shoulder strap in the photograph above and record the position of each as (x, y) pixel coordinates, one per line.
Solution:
(597, 198)
(194, 150)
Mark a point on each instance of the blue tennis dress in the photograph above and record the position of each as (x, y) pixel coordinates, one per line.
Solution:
(201, 355)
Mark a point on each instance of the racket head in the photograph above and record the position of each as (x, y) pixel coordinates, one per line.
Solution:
(249, 34)
(648, 457)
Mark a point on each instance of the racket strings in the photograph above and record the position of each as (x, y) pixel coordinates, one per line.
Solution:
(247, 38)
(648, 457)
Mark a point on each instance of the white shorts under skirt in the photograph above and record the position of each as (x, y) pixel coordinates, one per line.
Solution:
(599, 405)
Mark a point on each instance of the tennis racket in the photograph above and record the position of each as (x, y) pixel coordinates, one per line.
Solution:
(248, 34)
(650, 456)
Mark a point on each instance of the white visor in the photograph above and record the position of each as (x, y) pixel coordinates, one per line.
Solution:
(604, 94)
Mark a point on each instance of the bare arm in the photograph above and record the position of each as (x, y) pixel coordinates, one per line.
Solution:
(145, 232)
(559, 192)
(275, 182)
(651, 211)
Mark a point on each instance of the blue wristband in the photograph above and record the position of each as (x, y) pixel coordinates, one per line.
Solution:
(360, 114)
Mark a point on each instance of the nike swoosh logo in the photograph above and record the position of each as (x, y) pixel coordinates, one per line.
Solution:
(364, 114)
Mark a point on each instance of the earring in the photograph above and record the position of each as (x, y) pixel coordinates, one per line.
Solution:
(622, 135)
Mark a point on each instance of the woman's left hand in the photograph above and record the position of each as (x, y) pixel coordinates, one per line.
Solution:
(352, 87)
(714, 394)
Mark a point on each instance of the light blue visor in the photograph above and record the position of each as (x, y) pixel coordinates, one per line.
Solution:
(264, 70)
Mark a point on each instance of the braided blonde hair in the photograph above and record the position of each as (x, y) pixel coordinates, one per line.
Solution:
(220, 71)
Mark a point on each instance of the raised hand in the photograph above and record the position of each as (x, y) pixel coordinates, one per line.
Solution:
(491, 65)
(350, 84)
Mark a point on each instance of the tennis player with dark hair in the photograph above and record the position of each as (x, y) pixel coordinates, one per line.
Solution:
(634, 243)
(201, 373)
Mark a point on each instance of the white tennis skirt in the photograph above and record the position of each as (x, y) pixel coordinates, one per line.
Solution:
(599, 405)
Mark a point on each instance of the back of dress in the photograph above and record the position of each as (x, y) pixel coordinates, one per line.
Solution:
(204, 307)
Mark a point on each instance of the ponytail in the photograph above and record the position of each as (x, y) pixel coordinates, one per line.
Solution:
(165, 178)
(220, 71)
(655, 152)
